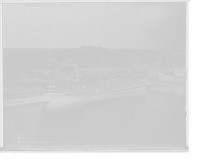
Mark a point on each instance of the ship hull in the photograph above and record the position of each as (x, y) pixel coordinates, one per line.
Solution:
(95, 92)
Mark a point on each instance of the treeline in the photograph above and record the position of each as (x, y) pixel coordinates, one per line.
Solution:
(85, 51)
(29, 59)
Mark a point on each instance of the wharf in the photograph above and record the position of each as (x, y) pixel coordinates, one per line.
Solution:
(23, 97)
(35, 95)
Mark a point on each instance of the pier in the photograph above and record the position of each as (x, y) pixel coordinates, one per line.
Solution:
(23, 97)
(48, 75)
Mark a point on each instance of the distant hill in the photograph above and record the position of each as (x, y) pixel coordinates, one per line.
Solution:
(18, 51)
(86, 51)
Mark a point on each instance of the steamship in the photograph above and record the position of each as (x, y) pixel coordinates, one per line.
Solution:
(77, 88)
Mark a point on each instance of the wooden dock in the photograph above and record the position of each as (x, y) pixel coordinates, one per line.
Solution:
(44, 75)
(23, 97)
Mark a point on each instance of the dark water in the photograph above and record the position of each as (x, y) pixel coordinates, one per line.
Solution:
(156, 121)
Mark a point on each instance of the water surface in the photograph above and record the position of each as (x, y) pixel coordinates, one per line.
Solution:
(154, 117)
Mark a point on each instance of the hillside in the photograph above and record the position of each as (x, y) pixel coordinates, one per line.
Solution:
(18, 51)
(18, 59)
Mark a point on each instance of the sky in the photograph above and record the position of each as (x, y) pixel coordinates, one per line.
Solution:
(111, 25)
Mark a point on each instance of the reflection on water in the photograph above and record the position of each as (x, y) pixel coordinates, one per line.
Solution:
(153, 121)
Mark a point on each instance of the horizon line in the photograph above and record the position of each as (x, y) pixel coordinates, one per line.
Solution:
(126, 48)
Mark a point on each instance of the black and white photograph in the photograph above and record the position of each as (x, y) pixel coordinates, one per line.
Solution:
(94, 76)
